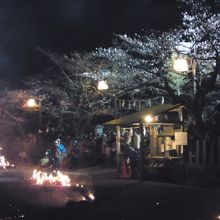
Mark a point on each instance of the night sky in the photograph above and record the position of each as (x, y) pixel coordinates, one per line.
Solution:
(65, 25)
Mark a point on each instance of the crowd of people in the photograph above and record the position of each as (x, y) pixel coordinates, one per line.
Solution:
(88, 150)
(99, 149)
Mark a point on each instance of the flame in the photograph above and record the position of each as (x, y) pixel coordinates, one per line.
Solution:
(4, 164)
(43, 178)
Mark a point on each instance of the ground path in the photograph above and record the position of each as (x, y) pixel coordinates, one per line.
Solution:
(115, 199)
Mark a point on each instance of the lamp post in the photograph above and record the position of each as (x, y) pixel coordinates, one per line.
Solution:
(148, 119)
(31, 103)
(102, 85)
(181, 65)
(34, 105)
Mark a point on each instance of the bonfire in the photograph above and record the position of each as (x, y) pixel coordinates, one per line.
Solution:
(52, 179)
(4, 163)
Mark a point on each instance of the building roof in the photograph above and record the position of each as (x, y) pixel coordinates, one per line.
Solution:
(139, 117)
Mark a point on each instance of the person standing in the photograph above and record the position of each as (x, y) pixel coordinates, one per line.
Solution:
(55, 156)
(62, 149)
(132, 158)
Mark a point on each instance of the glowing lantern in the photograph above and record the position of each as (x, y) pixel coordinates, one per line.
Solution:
(148, 118)
(102, 85)
(181, 65)
(31, 103)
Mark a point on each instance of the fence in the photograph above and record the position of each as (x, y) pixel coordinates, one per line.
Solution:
(205, 152)
(137, 104)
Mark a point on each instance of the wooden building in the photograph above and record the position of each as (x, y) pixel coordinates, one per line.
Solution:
(160, 125)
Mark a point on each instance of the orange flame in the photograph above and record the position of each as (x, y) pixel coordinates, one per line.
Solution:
(43, 178)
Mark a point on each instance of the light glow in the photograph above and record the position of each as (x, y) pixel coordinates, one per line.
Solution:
(91, 196)
(148, 118)
(102, 85)
(31, 103)
(181, 65)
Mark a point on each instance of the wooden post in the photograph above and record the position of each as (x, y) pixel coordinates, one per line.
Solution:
(182, 129)
(142, 153)
(204, 158)
(211, 153)
(119, 104)
(115, 107)
(197, 152)
(118, 151)
(218, 150)
(190, 157)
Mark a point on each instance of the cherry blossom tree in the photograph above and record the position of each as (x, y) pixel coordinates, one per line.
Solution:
(143, 64)
(68, 90)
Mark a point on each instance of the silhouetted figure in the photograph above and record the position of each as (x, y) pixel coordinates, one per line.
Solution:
(55, 156)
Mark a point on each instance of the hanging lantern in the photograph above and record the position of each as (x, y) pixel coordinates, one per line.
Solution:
(148, 118)
(181, 65)
(102, 85)
(31, 103)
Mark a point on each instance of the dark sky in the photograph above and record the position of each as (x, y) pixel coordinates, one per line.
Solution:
(68, 25)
